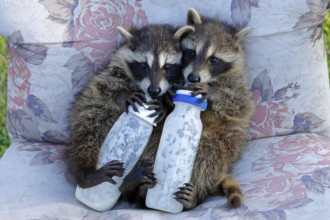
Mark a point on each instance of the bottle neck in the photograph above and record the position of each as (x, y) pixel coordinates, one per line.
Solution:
(142, 113)
(183, 108)
(186, 97)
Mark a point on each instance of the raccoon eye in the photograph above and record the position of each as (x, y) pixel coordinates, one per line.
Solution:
(143, 65)
(189, 54)
(213, 60)
(167, 67)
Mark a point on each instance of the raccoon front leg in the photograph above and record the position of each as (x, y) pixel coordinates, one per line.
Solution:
(136, 184)
(141, 175)
(104, 174)
(138, 194)
(126, 98)
(160, 107)
(201, 89)
(187, 196)
(93, 114)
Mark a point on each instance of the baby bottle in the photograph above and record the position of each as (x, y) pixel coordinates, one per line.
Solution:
(176, 152)
(125, 142)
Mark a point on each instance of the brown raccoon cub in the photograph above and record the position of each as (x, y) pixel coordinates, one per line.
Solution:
(145, 66)
(213, 61)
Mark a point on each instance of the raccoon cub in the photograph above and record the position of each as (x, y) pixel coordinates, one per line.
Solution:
(213, 61)
(145, 66)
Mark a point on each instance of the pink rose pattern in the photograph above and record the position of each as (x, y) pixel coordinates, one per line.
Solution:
(95, 28)
(92, 31)
(284, 178)
(19, 56)
(18, 80)
(26, 112)
(95, 35)
(273, 116)
(286, 173)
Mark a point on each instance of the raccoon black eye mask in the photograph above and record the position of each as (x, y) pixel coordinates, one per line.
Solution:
(216, 65)
(170, 72)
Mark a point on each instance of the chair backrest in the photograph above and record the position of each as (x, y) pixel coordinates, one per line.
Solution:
(54, 47)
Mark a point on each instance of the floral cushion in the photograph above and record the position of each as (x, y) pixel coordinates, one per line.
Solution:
(54, 47)
(281, 177)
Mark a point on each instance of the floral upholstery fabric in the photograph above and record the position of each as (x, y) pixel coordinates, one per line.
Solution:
(54, 47)
(281, 177)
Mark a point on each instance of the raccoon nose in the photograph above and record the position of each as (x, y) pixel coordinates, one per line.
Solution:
(154, 90)
(193, 78)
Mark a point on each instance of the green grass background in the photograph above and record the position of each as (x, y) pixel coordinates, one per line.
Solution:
(4, 139)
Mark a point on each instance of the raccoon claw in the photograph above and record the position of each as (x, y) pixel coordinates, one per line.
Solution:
(141, 178)
(153, 104)
(173, 89)
(159, 108)
(199, 89)
(134, 98)
(113, 168)
(187, 196)
(148, 179)
(204, 97)
(168, 100)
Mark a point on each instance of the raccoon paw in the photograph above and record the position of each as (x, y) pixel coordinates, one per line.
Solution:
(112, 168)
(103, 174)
(187, 196)
(160, 109)
(141, 178)
(135, 97)
(172, 90)
(199, 89)
(170, 94)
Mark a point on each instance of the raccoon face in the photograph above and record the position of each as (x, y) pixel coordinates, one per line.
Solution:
(155, 72)
(211, 51)
(153, 57)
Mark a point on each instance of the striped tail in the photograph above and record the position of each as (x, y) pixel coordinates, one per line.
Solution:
(232, 190)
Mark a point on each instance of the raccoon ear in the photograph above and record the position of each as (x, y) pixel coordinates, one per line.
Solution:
(183, 31)
(193, 17)
(128, 36)
(242, 33)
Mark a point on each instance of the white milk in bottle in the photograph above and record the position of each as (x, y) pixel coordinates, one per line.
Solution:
(125, 142)
(176, 152)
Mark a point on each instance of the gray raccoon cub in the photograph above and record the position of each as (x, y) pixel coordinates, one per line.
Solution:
(214, 66)
(145, 66)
